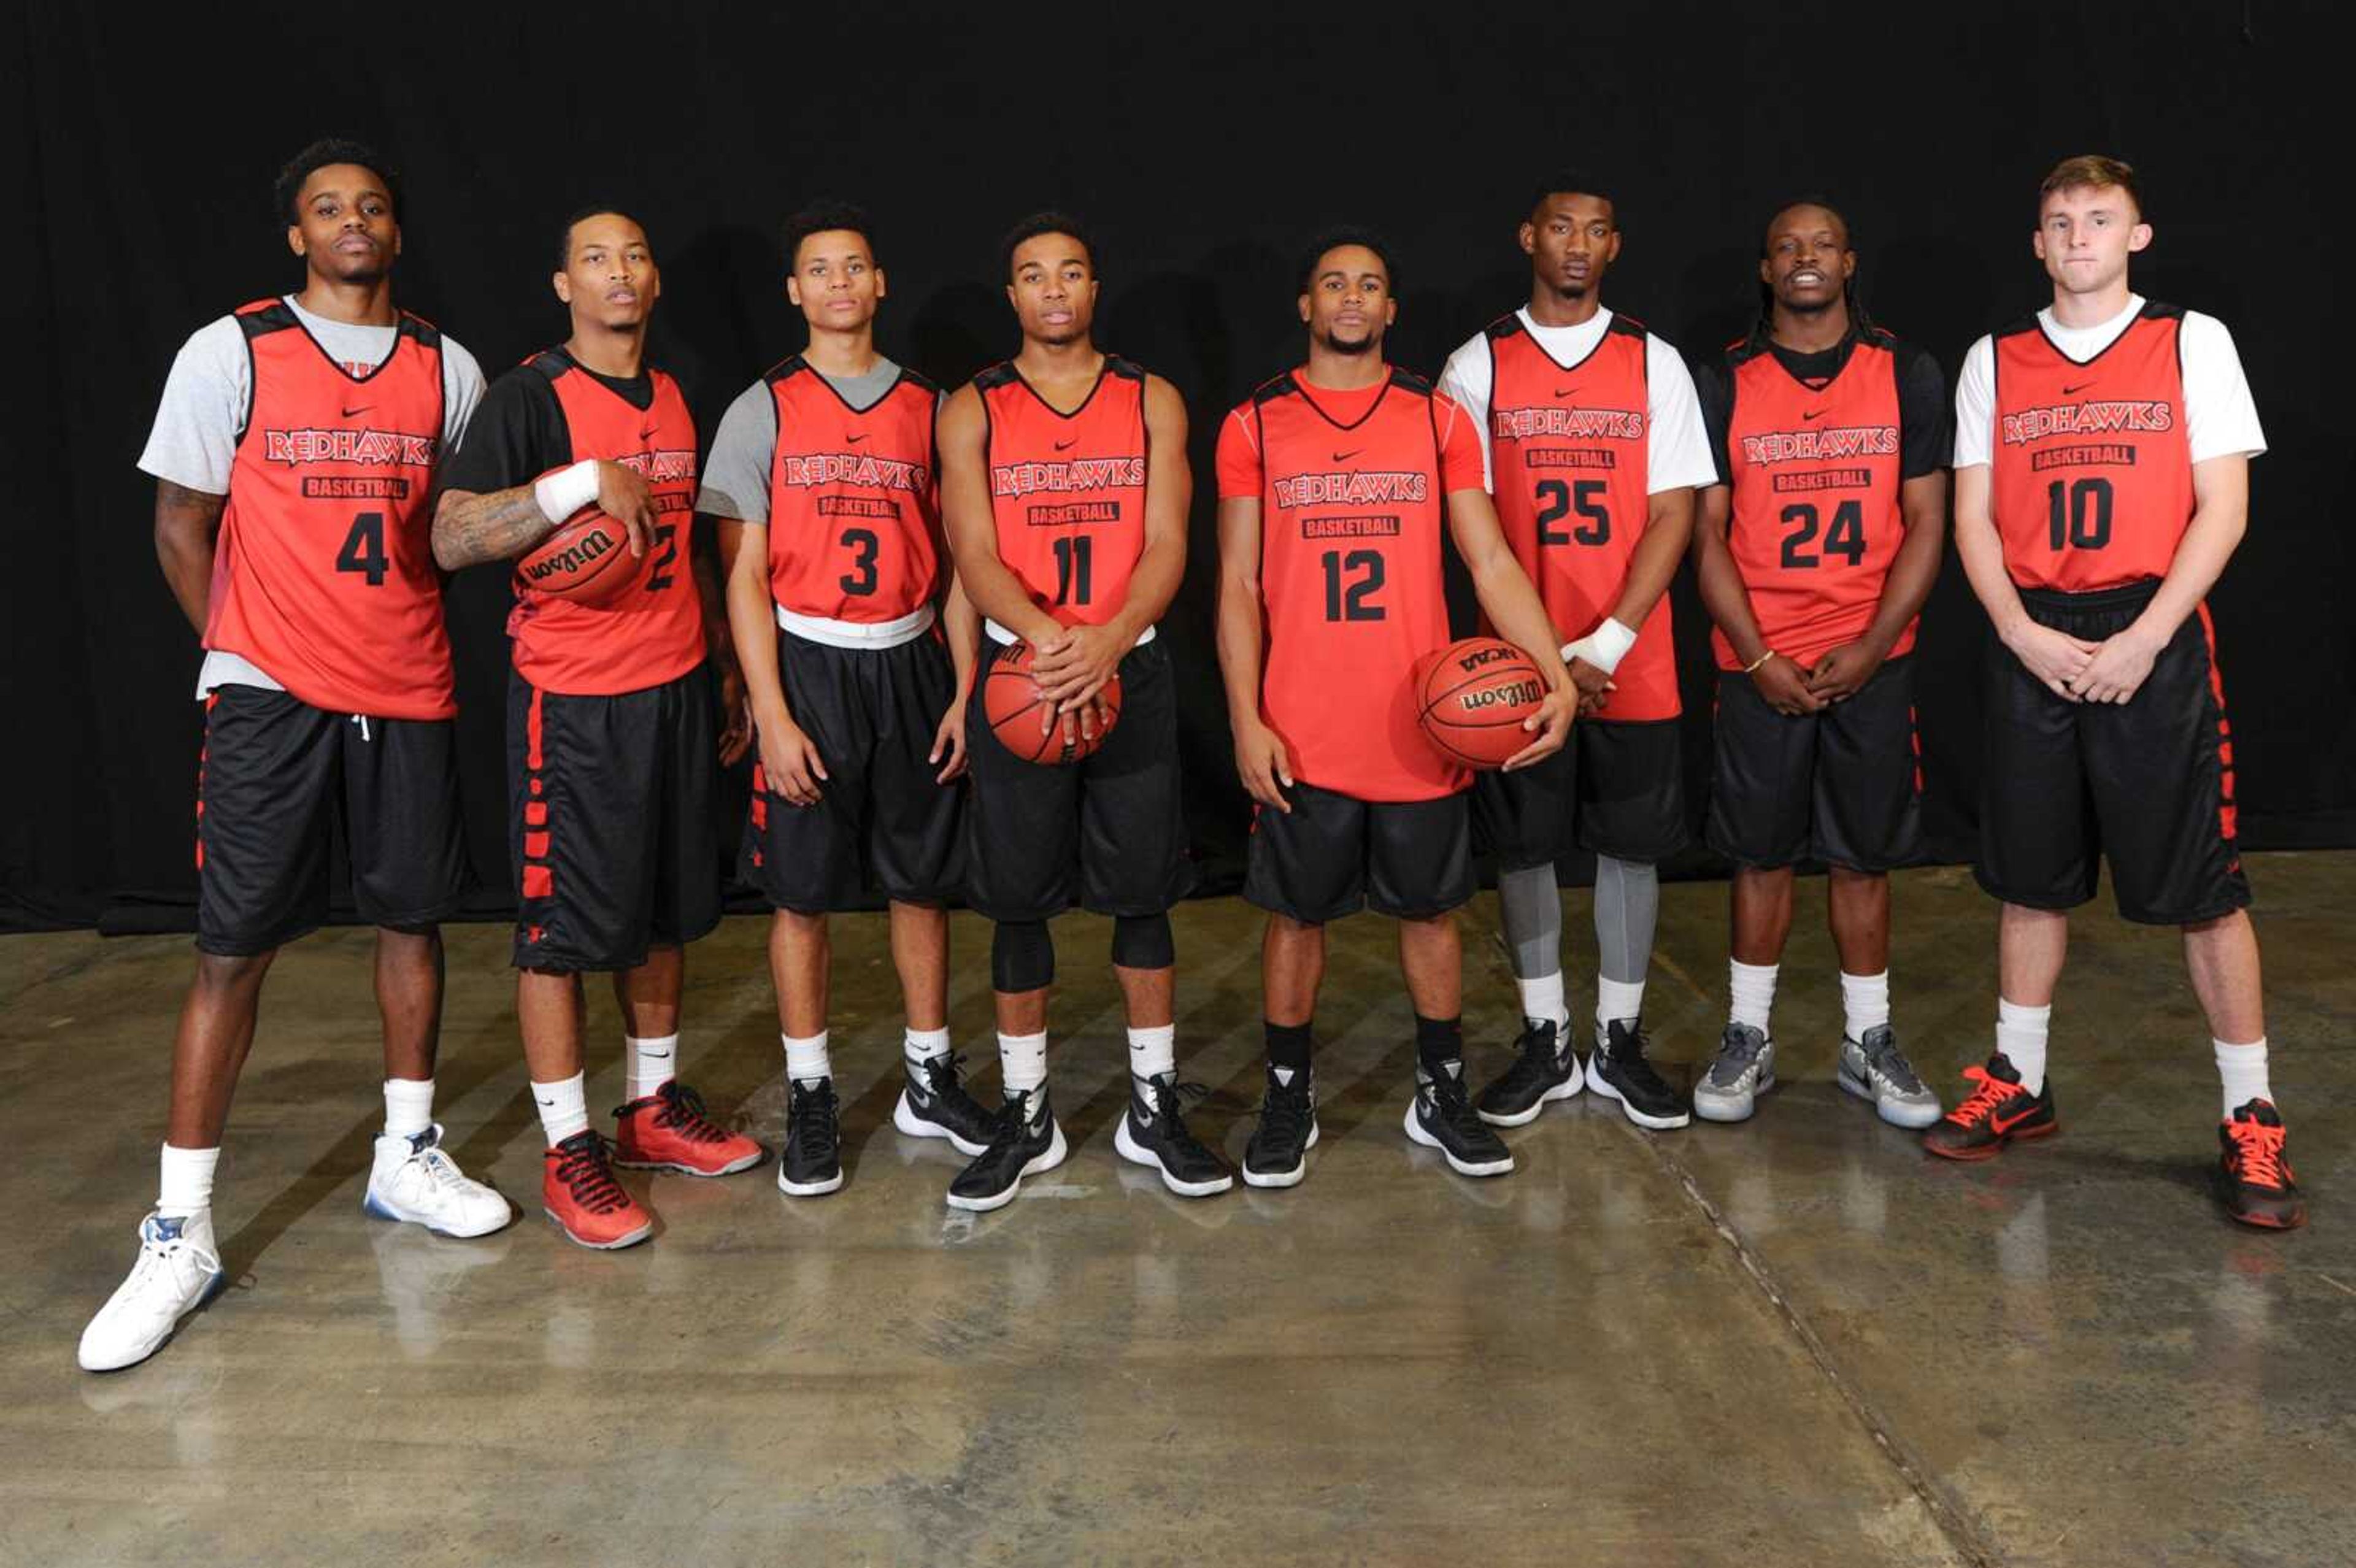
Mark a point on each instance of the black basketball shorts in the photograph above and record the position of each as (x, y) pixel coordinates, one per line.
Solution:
(1842, 785)
(1617, 789)
(1332, 855)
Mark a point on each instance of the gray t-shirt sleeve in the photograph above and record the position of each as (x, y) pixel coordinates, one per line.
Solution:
(193, 442)
(462, 392)
(737, 474)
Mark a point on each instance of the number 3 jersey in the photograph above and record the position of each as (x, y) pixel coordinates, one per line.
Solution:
(324, 573)
(1814, 449)
(853, 515)
(1353, 488)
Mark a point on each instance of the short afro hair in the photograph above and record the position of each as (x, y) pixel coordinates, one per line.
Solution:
(1334, 239)
(286, 191)
(1572, 182)
(582, 214)
(1048, 222)
(823, 217)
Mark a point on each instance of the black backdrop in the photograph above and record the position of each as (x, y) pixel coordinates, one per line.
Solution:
(1204, 146)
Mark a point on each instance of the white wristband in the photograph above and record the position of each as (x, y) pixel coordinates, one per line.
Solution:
(1603, 647)
(567, 490)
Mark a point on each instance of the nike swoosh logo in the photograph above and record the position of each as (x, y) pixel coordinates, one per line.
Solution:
(853, 439)
(1817, 415)
(2005, 1123)
(1067, 445)
(361, 410)
(1346, 456)
(2074, 391)
(1561, 393)
(647, 433)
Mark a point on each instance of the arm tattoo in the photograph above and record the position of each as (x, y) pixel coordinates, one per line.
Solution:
(469, 528)
(182, 505)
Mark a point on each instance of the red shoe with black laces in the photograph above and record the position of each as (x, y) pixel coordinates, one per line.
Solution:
(2255, 1173)
(668, 1130)
(1998, 1111)
(578, 1190)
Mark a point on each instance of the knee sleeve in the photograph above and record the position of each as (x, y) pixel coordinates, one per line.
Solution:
(1144, 942)
(1021, 956)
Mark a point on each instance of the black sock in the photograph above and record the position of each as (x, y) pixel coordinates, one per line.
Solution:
(1288, 1045)
(1437, 1041)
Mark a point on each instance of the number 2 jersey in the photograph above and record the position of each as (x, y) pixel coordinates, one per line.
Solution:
(1814, 449)
(1067, 490)
(1353, 488)
(548, 414)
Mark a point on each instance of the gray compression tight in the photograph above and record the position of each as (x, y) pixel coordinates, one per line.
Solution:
(1532, 912)
(1627, 909)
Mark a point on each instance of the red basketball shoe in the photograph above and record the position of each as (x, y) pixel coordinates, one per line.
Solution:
(2255, 1171)
(669, 1131)
(1998, 1111)
(578, 1190)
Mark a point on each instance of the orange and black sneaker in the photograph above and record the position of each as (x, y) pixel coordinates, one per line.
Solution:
(2255, 1173)
(578, 1190)
(1998, 1111)
(668, 1130)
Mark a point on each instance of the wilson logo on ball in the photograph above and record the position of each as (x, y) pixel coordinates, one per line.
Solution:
(577, 557)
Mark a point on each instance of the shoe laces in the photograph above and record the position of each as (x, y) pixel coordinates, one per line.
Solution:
(1738, 1052)
(683, 1112)
(1540, 1049)
(1169, 1098)
(583, 1166)
(1014, 1121)
(1890, 1063)
(1984, 1102)
(810, 1118)
(157, 1252)
(1286, 1109)
(2257, 1153)
(1636, 1066)
(1448, 1098)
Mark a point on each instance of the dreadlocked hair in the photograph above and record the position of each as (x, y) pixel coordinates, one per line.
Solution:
(1764, 326)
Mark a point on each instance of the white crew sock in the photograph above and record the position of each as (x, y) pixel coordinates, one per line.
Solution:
(1751, 992)
(184, 1183)
(1153, 1052)
(563, 1107)
(1616, 1001)
(1542, 1001)
(925, 1045)
(2021, 1035)
(2243, 1069)
(1864, 1003)
(1022, 1061)
(408, 1106)
(807, 1059)
(652, 1063)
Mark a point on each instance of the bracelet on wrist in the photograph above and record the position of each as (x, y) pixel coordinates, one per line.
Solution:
(1755, 665)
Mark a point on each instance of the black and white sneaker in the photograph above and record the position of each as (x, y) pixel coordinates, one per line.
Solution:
(1024, 1142)
(1545, 1067)
(1440, 1117)
(1619, 1070)
(1154, 1133)
(933, 1104)
(1277, 1154)
(813, 1161)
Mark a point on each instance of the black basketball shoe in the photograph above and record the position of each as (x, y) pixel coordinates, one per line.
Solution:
(1152, 1132)
(2254, 1169)
(1277, 1154)
(1621, 1071)
(813, 1159)
(1544, 1068)
(933, 1104)
(1024, 1142)
(1440, 1117)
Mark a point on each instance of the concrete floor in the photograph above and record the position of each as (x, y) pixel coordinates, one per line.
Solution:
(1796, 1340)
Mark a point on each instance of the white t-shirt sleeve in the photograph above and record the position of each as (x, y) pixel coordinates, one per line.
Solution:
(1466, 380)
(1976, 406)
(462, 392)
(2219, 417)
(193, 442)
(1677, 444)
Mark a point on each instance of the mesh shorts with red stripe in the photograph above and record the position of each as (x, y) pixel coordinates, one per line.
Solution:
(1841, 787)
(613, 822)
(2147, 784)
(277, 779)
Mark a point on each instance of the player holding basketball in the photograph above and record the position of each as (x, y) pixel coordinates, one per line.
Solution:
(1816, 548)
(1594, 444)
(611, 740)
(1335, 483)
(294, 453)
(1065, 487)
(823, 484)
(2103, 453)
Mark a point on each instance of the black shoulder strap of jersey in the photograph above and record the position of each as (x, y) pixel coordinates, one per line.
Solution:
(1002, 374)
(2026, 322)
(784, 369)
(1127, 369)
(552, 364)
(1410, 382)
(2155, 311)
(1275, 387)
(264, 317)
(422, 331)
(1506, 325)
(923, 383)
(1627, 326)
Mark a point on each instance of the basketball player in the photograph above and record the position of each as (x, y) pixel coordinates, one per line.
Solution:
(611, 737)
(295, 452)
(1817, 546)
(2103, 453)
(1332, 481)
(1594, 444)
(823, 484)
(1064, 486)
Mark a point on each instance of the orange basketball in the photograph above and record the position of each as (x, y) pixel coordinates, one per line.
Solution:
(587, 560)
(1010, 701)
(1472, 699)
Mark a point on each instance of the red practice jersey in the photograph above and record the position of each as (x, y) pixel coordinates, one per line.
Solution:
(854, 513)
(1815, 472)
(1568, 466)
(1068, 490)
(323, 574)
(653, 631)
(1353, 491)
(2091, 481)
